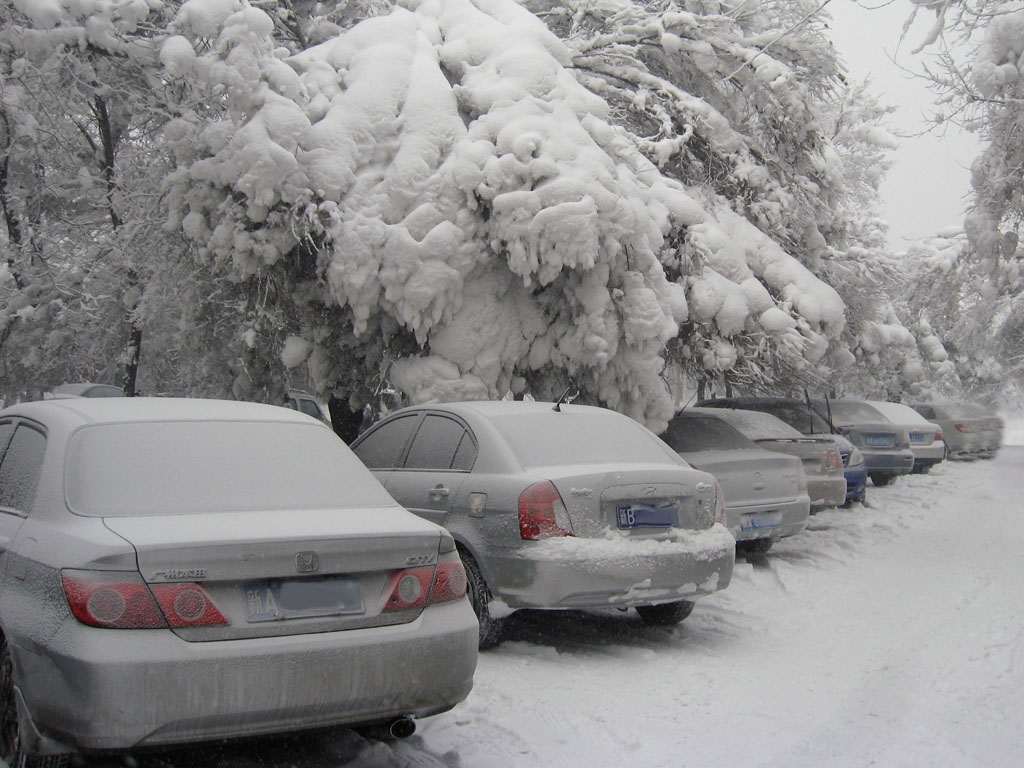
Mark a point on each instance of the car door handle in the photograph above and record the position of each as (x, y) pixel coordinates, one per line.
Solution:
(439, 490)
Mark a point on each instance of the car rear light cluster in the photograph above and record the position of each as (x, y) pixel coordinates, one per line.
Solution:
(962, 427)
(720, 512)
(420, 587)
(801, 477)
(905, 439)
(122, 600)
(542, 513)
(938, 437)
(833, 460)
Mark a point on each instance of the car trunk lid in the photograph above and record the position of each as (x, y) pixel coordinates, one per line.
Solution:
(284, 572)
(750, 476)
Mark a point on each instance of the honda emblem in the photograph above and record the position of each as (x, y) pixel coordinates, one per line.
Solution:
(307, 562)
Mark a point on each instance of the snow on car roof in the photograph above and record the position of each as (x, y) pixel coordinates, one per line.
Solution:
(121, 409)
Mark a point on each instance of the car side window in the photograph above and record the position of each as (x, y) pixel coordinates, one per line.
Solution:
(382, 448)
(436, 444)
(926, 411)
(19, 469)
(465, 454)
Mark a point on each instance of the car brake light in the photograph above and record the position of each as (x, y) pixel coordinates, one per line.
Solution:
(801, 477)
(420, 587)
(962, 427)
(122, 600)
(938, 437)
(833, 460)
(542, 513)
(720, 512)
(905, 439)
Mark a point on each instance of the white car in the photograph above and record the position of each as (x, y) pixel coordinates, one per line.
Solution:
(926, 441)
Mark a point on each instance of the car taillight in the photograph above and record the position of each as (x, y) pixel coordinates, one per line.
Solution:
(420, 587)
(905, 439)
(542, 513)
(720, 513)
(962, 427)
(801, 477)
(122, 600)
(833, 460)
(938, 437)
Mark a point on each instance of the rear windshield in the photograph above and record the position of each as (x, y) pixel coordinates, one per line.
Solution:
(898, 413)
(758, 426)
(188, 467)
(582, 437)
(799, 417)
(852, 413)
(688, 434)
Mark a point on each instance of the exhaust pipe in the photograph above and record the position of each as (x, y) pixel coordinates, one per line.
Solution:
(401, 728)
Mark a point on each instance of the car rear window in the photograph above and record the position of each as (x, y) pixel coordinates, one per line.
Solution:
(852, 412)
(580, 437)
(145, 468)
(759, 426)
(689, 434)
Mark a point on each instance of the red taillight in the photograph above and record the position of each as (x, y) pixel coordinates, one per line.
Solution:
(962, 427)
(905, 439)
(122, 600)
(801, 477)
(420, 587)
(720, 511)
(938, 437)
(542, 513)
(833, 460)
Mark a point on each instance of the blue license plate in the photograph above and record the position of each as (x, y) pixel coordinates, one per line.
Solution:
(917, 437)
(647, 515)
(878, 441)
(302, 598)
(760, 521)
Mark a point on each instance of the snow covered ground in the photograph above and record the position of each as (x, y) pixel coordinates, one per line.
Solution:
(887, 635)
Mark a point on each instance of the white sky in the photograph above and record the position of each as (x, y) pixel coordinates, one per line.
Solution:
(926, 189)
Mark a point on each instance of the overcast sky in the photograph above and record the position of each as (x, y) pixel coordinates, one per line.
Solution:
(926, 188)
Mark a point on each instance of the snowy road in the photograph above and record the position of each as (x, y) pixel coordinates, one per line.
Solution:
(887, 636)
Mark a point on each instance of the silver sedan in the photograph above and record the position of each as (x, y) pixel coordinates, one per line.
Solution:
(557, 507)
(183, 570)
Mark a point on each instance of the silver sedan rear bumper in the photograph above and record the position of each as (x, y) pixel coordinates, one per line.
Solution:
(98, 689)
(617, 570)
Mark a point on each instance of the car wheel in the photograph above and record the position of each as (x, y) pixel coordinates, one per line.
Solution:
(754, 546)
(480, 599)
(666, 614)
(10, 728)
(881, 480)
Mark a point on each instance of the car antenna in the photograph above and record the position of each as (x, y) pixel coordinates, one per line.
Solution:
(563, 399)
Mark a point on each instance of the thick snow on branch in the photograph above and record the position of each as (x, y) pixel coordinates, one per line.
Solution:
(458, 180)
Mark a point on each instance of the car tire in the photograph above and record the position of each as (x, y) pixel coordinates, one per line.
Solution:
(881, 480)
(666, 614)
(754, 546)
(480, 598)
(11, 751)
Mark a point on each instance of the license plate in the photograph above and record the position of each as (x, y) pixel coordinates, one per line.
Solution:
(647, 515)
(302, 598)
(917, 437)
(878, 441)
(760, 521)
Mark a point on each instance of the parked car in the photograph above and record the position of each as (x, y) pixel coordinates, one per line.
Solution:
(305, 403)
(805, 420)
(83, 389)
(886, 446)
(989, 428)
(765, 492)
(958, 430)
(182, 570)
(565, 506)
(925, 436)
(823, 465)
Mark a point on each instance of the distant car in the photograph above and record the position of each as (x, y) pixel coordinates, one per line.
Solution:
(805, 420)
(186, 570)
(886, 446)
(84, 389)
(765, 491)
(925, 437)
(969, 432)
(303, 402)
(557, 507)
(823, 464)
